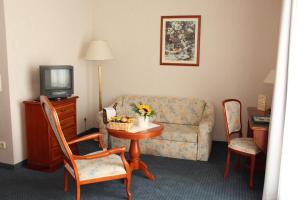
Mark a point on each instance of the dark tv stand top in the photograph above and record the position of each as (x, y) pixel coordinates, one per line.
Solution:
(37, 100)
(58, 98)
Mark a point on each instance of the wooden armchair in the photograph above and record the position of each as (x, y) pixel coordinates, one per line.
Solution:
(91, 168)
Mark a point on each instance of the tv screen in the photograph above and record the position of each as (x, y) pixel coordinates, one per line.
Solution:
(56, 81)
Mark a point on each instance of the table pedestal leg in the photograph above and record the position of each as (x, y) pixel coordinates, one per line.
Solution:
(135, 161)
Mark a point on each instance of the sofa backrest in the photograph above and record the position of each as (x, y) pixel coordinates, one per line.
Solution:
(168, 109)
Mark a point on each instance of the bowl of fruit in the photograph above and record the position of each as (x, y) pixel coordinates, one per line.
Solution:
(121, 123)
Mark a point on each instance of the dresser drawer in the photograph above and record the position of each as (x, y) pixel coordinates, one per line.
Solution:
(65, 110)
(57, 154)
(69, 133)
(68, 122)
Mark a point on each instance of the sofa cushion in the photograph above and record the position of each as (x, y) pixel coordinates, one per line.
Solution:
(179, 133)
(168, 109)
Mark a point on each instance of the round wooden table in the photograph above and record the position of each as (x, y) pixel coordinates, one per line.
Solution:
(134, 150)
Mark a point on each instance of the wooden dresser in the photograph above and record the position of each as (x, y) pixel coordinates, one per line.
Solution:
(43, 151)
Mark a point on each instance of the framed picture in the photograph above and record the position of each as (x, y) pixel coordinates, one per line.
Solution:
(180, 40)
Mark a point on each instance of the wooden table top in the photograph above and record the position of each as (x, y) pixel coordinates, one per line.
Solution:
(149, 133)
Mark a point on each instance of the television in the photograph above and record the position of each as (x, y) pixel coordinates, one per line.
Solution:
(56, 81)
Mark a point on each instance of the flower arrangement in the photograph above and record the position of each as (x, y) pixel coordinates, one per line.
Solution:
(142, 110)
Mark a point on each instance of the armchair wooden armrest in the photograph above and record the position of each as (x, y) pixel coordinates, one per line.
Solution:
(98, 136)
(118, 150)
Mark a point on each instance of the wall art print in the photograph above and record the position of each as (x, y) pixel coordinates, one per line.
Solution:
(180, 40)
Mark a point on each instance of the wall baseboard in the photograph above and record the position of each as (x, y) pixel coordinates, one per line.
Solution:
(13, 166)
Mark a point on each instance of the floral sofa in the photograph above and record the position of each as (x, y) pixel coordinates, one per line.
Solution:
(188, 125)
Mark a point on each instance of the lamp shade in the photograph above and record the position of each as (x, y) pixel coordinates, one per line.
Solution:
(98, 50)
(270, 78)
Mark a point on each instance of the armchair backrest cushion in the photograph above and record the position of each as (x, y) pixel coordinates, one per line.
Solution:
(232, 110)
(168, 109)
(53, 120)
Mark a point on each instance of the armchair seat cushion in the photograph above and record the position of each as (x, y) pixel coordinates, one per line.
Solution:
(111, 165)
(245, 145)
(179, 133)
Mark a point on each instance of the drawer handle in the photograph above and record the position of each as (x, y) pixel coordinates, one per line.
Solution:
(66, 123)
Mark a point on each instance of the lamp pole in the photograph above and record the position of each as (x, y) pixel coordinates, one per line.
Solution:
(99, 50)
(100, 87)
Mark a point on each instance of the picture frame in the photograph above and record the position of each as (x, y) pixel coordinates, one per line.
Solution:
(180, 40)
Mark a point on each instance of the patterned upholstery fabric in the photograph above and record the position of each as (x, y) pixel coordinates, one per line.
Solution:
(188, 126)
(168, 109)
(205, 129)
(232, 109)
(179, 133)
(166, 148)
(54, 128)
(100, 167)
(244, 145)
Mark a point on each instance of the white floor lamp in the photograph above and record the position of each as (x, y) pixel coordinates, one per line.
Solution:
(99, 50)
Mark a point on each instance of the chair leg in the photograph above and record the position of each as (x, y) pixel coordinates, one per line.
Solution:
(252, 169)
(127, 181)
(238, 163)
(77, 191)
(65, 180)
(227, 164)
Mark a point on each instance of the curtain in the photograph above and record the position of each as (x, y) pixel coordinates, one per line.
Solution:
(290, 160)
(278, 107)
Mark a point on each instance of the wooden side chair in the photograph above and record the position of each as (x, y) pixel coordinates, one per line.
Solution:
(240, 146)
(95, 167)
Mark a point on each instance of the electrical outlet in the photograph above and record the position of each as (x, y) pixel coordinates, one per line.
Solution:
(2, 145)
(85, 123)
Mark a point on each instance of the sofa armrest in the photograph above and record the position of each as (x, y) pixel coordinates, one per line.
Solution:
(119, 103)
(102, 128)
(205, 132)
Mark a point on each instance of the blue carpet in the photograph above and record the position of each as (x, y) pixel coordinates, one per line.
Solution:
(175, 179)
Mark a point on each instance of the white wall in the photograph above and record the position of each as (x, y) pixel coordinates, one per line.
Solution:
(44, 32)
(238, 48)
(6, 156)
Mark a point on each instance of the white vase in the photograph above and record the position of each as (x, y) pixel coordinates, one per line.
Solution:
(143, 122)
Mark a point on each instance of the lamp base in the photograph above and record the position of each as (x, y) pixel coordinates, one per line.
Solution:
(262, 102)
